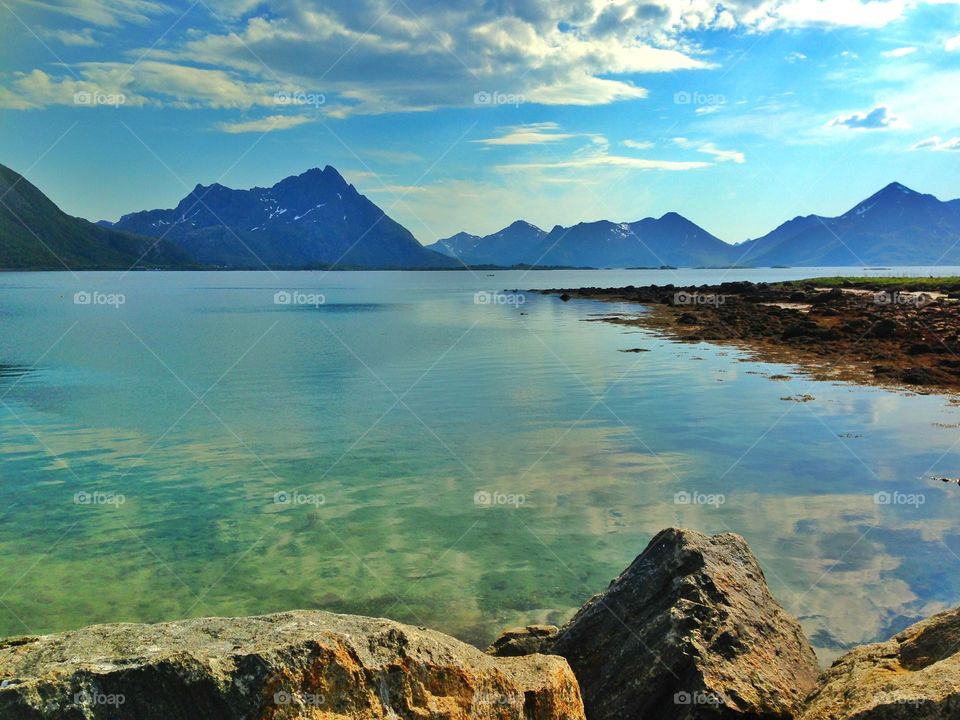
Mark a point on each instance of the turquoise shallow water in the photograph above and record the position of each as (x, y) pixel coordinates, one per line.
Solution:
(402, 450)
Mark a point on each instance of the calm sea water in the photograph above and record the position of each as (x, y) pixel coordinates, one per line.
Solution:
(403, 450)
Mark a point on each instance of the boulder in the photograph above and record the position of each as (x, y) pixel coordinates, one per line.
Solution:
(289, 666)
(913, 676)
(517, 642)
(689, 630)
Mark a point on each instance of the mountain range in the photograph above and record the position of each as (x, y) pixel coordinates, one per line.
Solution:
(318, 220)
(895, 226)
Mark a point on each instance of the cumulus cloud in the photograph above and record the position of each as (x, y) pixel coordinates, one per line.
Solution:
(378, 56)
(953, 44)
(879, 118)
(937, 143)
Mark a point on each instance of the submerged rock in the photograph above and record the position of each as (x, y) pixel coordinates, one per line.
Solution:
(689, 630)
(288, 666)
(915, 675)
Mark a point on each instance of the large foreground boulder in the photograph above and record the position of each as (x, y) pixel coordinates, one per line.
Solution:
(689, 630)
(289, 666)
(913, 676)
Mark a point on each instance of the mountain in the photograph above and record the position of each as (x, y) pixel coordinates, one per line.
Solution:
(895, 226)
(309, 220)
(669, 240)
(37, 235)
(651, 242)
(513, 245)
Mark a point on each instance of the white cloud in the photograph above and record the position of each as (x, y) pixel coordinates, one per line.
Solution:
(536, 134)
(708, 148)
(637, 144)
(953, 44)
(607, 160)
(265, 125)
(109, 13)
(531, 134)
(937, 143)
(878, 118)
(899, 52)
(78, 38)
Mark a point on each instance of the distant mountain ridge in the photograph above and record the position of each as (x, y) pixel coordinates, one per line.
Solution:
(895, 226)
(651, 242)
(308, 220)
(35, 234)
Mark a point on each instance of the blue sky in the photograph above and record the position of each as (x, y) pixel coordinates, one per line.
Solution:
(468, 115)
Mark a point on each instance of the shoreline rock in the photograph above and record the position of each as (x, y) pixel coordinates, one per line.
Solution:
(688, 630)
(915, 675)
(286, 666)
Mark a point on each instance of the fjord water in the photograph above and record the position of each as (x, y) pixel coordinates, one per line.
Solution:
(403, 450)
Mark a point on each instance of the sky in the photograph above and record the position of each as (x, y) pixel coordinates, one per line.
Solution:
(470, 114)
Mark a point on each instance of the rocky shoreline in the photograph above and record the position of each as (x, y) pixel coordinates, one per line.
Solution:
(905, 336)
(689, 631)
